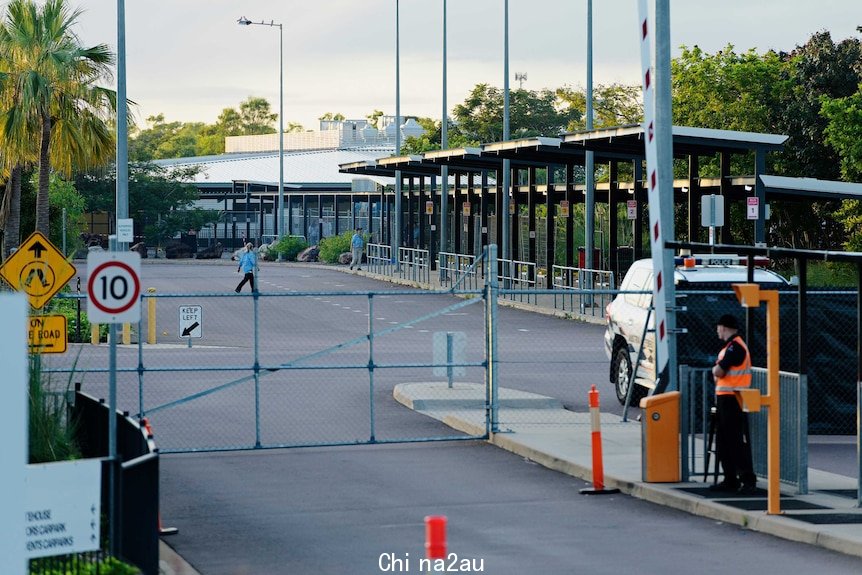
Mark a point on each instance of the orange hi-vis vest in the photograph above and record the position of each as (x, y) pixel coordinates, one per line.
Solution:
(738, 376)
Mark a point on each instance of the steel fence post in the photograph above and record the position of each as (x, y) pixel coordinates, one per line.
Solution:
(371, 366)
(256, 301)
(491, 292)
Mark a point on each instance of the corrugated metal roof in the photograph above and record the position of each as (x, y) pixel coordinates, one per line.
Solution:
(306, 167)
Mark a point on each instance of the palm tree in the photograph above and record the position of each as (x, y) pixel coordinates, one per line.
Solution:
(50, 94)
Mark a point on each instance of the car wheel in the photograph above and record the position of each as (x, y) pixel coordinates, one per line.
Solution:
(622, 370)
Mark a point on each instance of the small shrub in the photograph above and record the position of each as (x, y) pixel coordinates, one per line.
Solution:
(289, 246)
(334, 246)
(52, 436)
(69, 308)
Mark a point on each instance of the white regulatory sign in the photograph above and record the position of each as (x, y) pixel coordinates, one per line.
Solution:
(66, 520)
(114, 287)
(191, 321)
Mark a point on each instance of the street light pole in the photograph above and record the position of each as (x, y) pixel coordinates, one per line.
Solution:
(243, 21)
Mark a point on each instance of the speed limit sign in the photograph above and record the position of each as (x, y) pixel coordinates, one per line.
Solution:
(114, 287)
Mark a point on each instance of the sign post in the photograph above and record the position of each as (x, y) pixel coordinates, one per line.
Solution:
(113, 297)
(13, 433)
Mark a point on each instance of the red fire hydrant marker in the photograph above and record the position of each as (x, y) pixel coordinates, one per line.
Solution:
(598, 487)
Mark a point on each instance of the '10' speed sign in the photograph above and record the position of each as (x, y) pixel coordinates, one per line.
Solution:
(114, 287)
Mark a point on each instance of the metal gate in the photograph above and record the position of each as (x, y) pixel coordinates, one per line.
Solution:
(287, 375)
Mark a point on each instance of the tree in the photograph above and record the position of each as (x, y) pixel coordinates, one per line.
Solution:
(843, 132)
(330, 117)
(160, 200)
(613, 105)
(256, 116)
(532, 113)
(772, 93)
(818, 69)
(163, 139)
(55, 93)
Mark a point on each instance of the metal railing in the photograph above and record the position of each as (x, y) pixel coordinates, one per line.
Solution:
(581, 282)
(414, 265)
(698, 392)
(379, 258)
(458, 269)
(517, 275)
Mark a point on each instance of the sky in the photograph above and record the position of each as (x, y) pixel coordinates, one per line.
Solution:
(189, 59)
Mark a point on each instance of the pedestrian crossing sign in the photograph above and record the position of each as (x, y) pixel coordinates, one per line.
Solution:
(38, 269)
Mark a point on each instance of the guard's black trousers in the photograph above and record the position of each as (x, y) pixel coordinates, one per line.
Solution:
(732, 442)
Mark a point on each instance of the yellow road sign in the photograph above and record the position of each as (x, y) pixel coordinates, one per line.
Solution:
(47, 334)
(37, 269)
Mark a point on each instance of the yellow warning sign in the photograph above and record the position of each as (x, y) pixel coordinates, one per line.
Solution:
(37, 269)
(47, 334)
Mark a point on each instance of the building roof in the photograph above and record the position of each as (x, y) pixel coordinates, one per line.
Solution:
(301, 169)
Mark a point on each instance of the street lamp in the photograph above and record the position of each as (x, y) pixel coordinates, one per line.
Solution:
(243, 21)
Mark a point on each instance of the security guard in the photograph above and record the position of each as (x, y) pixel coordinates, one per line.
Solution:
(732, 371)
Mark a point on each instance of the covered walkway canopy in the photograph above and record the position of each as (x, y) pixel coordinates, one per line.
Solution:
(548, 172)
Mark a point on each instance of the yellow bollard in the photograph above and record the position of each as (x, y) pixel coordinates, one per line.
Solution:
(151, 317)
(94, 333)
(127, 334)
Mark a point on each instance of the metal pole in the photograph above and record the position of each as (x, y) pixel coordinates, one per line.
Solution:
(64, 232)
(122, 195)
(449, 370)
(114, 529)
(589, 162)
(492, 419)
(396, 235)
(280, 137)
(505, 248)
(444, 170)
(371, 365)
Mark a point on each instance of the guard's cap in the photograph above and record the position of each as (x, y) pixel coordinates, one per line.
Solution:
(728, 320)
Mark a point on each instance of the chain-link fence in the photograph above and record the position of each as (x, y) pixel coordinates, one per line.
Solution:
(272, 370)
(827, 354)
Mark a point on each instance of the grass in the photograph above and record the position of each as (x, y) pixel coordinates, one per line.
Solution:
(51, 433)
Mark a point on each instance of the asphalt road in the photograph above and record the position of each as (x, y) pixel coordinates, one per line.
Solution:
(354, 509)
(357, 509)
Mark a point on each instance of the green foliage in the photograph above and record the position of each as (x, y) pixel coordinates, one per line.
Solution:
(289, 246)
(831, 274)
(51, 433)
(844, 131)
(334, 246)
(188, 139)
(159, 199)
(108, 566)
(613, 105)
(532, 113)
(68, 306)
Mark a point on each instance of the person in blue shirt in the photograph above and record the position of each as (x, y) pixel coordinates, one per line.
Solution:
(247, 264)
(356, 245)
